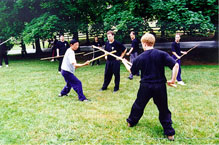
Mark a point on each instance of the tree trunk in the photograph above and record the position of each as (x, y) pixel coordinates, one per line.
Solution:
(216, 33)
(23, 48)
(87, 38)
(75, 35)
(38, 48)
(43, 44)
(33, 45)
(162, 32)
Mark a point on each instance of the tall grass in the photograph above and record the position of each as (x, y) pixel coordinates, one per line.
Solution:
(32, 113)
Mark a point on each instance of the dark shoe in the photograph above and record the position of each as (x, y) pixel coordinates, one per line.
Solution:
(102, 89)
(115, 91)
(60, 95)
(170, 138)
(130, 78)
(85, 100)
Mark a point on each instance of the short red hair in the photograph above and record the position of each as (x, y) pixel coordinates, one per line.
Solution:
(148, 38)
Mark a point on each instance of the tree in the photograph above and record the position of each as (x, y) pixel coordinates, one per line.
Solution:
(43, 27)
(121, 18)
(173, 15)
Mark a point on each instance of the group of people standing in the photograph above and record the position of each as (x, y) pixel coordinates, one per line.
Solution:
(150, 64)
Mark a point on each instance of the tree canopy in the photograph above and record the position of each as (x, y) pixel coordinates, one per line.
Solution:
(30, 20)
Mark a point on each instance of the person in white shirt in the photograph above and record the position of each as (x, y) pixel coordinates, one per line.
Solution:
(68, 67)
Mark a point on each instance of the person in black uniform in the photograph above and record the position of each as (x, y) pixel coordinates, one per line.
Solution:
(133, 52)
(96, 54)
(151, 63)
(176, 51)
(3, 54)
(54, 45)
(62, 46)
(112, 64)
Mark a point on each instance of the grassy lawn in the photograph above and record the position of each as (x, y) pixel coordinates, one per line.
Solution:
(31, 112)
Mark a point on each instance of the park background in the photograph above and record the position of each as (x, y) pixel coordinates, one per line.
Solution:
(31, 112)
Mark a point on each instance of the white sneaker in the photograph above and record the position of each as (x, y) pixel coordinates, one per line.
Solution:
(181, 83)
(6, 65)
(0, 66)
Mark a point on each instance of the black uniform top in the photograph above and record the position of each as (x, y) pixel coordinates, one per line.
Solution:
(3, 48)
(98, 44)
(175, 47)
(151, 63)
(62, 46)
(116, 45)
(55, 42)
(135, 45)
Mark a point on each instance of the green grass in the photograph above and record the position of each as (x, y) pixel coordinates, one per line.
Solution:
(31, 112)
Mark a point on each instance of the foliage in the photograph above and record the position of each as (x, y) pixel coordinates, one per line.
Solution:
(120, 18)
(19, 17)
(174, 15)
(44, 27)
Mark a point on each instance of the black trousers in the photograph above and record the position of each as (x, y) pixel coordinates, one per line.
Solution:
(159, 94)
(96, 54)
(60, 64)
(112, 68)
(5, 57)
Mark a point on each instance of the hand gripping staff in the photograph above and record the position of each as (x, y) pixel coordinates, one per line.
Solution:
(188, 51)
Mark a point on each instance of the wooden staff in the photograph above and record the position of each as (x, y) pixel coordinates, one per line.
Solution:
(173, 85)
(129, 63)
(5, 41)
(188, 51)
(91, 52)
(100, 56)
(59, 56)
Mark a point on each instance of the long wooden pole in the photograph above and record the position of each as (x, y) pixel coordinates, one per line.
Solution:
(5, 41)
(100, 56)
(129, 63)
(91, 52)
(188, 51)
(59, 56)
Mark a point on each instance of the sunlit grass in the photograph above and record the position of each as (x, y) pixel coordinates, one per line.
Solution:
(31, 112)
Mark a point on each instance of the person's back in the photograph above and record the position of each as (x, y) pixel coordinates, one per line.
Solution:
(3, 48)
(151, 63)
(153, 84)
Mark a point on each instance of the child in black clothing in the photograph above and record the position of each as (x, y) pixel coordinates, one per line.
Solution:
(151, 63)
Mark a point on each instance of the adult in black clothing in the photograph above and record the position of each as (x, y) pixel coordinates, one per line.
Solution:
(176, 51)
(96, 54)
(151, 63)
(112, 64)
(133, 52)
(62, 46)
(54, 45)
(3, 54)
